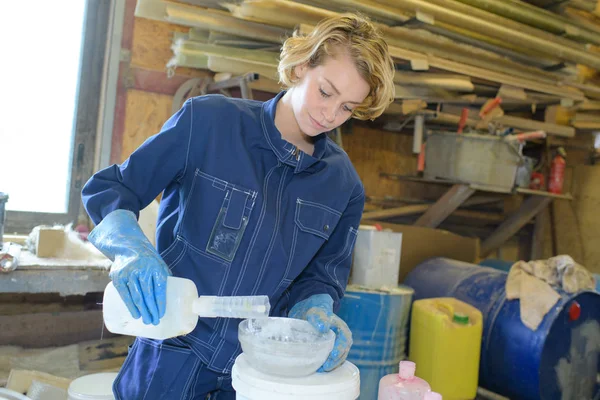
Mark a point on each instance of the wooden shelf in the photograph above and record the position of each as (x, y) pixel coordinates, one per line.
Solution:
(566, 196)
(412, 178)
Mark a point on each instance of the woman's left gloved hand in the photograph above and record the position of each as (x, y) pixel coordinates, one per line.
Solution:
(318, 310)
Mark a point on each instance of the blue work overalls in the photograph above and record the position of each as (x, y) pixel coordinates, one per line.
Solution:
(243, 212)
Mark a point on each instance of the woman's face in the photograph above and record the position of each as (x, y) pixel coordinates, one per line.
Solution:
(325, 96)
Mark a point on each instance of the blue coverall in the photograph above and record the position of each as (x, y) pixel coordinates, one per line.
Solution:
(242, 213)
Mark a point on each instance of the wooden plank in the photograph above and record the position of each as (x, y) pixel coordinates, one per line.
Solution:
(103, 355)
(482, 73)
(421, 208)
(65, 282)
(460, 83)
(146, 113)
(222, 64)
(530, 208)
(451, 114)
(51, 329)
(565, 196)
(396, 212)
(223, 21)
(151, 49)
(445, 206)
(537, 241)
(158, 81)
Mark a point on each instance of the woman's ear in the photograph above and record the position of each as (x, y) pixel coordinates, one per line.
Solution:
(300, 71)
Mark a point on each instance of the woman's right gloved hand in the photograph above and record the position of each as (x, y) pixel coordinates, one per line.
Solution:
(138, 272)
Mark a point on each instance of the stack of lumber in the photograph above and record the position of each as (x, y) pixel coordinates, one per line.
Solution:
(459, 52)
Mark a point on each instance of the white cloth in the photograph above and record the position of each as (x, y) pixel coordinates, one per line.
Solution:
(532, 282)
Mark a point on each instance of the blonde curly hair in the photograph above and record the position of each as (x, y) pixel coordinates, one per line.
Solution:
(365, 45)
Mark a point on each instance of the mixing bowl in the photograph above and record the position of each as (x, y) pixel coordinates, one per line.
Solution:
(284, 346)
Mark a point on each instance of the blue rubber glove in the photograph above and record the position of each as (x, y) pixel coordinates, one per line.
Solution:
(318, 310)
(137, 271)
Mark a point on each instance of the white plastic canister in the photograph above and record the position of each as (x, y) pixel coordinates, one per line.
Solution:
(341, 384)
(93, 387)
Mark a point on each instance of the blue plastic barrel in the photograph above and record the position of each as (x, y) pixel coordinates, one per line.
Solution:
(495, 263)
(559, 360)
(378, 320)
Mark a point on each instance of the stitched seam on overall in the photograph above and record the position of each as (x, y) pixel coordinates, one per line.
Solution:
(224, 185)
(362, 191)
(169, 249)
(292, 254)
(200, 342)
(200, 356)
(256, 232)
(203, 253)
(321, 206)
(195, 384)
(338, 259)
(231, 361)
(187, 203)
(266, 133)
(123, 368)
(153, 372)
(185, 393)
(253, 240)
(263, 267)
(187, 153)
(304, 228)
(179, 257)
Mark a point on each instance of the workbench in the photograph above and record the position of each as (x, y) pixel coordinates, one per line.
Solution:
(51, 275)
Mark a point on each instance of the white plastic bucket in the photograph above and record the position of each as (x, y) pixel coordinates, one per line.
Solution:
(250, 384)
(93, 387)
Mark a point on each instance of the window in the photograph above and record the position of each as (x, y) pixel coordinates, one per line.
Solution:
(49, 103)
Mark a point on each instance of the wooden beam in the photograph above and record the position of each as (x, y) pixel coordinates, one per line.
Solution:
(530, 208)
(537, 242)
(445, 206)
(396, 212)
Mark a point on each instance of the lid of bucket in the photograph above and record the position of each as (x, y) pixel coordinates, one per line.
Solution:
(399, 290)
(341, 384)
(94, 386)
(7, 394)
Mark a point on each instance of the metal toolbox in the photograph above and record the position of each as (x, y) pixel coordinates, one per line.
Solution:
(486, 162)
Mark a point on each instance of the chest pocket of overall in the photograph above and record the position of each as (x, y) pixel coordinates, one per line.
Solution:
(315, 218)
(314, 225)
(231, 223)
(216, 216)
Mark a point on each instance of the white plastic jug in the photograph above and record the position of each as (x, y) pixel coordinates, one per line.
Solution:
(343, 383)
(182, 310)
(403, 385)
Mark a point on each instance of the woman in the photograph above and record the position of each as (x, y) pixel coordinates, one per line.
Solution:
(256, 201)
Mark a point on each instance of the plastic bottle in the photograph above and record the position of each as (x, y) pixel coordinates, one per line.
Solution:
(182, 312)
(403, 385)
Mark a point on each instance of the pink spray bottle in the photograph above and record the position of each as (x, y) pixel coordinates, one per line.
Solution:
(404, 385)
